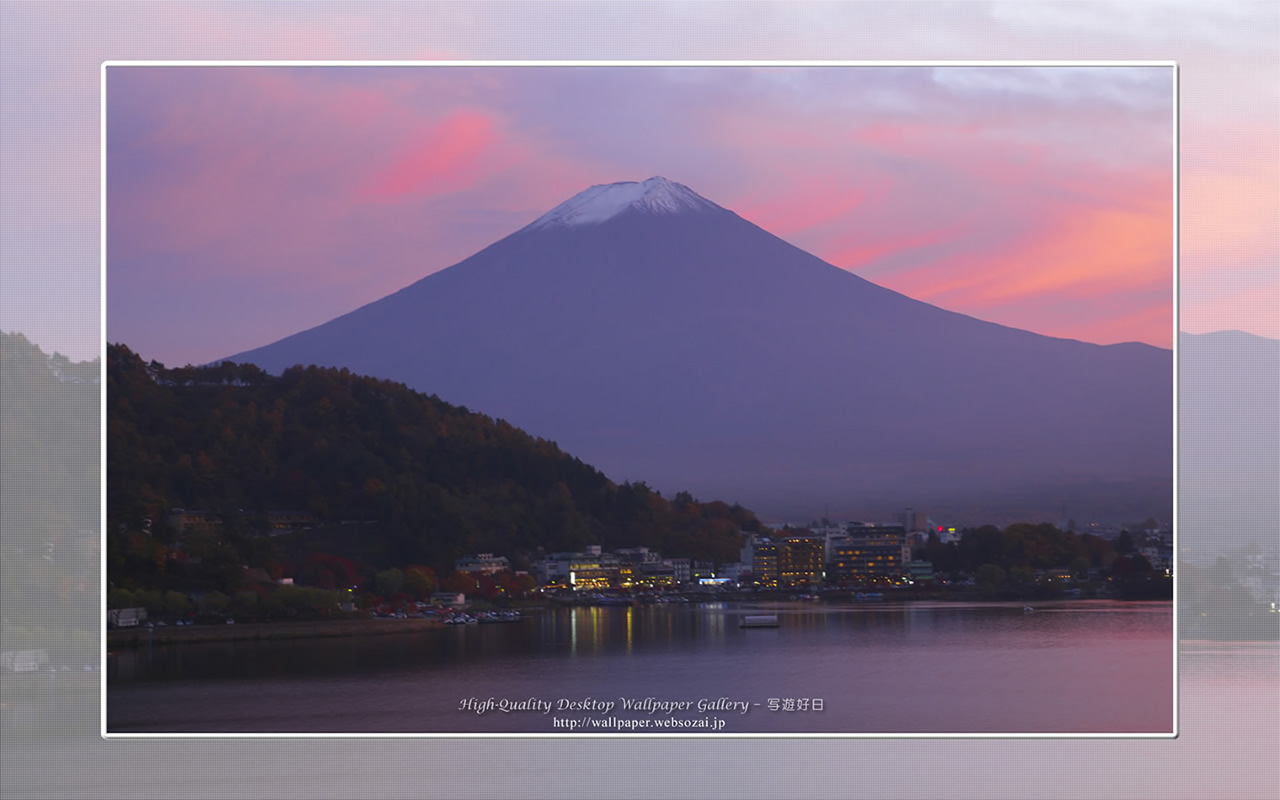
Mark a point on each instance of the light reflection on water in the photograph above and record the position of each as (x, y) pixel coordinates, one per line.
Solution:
(922, 667)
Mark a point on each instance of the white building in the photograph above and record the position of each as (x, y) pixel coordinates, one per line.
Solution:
(482, 564)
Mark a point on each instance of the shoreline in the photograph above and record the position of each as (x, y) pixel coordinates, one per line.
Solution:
(266, 631)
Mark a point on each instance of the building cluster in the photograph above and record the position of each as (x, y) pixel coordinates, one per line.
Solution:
(844, 555)
(1156, 546)
(624, 568)
(482, 564)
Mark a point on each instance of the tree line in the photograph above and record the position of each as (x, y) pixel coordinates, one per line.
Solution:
(427, 481)
(1012, 556)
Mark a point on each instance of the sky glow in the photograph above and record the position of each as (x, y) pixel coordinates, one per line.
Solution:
(50, 57)
(281, 197)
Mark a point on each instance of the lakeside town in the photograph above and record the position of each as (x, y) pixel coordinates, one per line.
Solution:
(911, 558)
(317, 494)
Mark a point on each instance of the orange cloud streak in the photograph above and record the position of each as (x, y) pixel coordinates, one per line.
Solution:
(1089, 253)
(1123, 326)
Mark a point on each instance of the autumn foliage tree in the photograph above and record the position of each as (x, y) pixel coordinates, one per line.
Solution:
(394, 477)
(419, 582)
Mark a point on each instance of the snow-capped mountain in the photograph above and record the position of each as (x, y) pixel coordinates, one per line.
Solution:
(603, 202)
(663, 338)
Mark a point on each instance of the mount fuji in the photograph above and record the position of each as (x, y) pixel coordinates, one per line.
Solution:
(663, 338)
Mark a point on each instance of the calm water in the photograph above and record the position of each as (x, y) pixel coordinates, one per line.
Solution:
(1076, 667)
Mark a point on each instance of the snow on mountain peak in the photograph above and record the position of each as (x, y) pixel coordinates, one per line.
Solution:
(607, 200)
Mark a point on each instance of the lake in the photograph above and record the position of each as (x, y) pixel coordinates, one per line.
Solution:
(866, 668)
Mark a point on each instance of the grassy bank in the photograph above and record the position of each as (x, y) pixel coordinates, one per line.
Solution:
(264, 631)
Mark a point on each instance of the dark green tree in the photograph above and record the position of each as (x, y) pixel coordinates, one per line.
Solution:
(1124, 544)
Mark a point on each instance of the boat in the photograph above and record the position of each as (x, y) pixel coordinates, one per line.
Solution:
(499, 616)
(759, 621)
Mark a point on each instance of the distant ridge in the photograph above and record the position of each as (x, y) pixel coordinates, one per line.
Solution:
(664, 338)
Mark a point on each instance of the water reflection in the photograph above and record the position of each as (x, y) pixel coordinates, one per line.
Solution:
(599, 632)
(1004, 671)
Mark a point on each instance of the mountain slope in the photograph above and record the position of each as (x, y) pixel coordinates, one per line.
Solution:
(667, 339)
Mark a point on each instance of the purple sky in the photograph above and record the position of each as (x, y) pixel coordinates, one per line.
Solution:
(248, 203)
(50, 129)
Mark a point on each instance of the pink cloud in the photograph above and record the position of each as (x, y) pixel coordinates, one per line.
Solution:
(298, 181)
(872, 248)
(1068, 267)
(442, 157)
(1040, 231)
(261, 167)
(1037, 228)
(1126, 325)
(1231, 208)
(799, 202)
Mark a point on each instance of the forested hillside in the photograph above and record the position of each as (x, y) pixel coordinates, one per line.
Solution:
(50, 445)
(427, 480)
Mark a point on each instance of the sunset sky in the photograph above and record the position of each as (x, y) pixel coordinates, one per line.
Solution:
(51, 288)
(1036, 198)
(245, 204)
